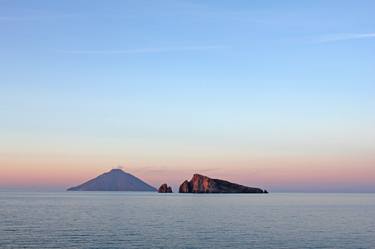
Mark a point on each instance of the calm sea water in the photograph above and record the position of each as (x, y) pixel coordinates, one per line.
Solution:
(151, 220)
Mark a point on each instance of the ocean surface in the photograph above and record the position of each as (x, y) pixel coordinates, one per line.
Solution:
(150, 220)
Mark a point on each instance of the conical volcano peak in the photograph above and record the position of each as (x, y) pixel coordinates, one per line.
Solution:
(114, 180)
(116, 170)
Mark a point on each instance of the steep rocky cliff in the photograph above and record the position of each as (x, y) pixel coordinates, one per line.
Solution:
(204, 184)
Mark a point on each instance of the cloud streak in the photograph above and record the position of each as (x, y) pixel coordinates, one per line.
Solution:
(344, 37)
(36, 17)
(144, 50)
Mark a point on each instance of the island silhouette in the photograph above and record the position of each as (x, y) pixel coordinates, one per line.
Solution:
(114, 180)
(119, 180)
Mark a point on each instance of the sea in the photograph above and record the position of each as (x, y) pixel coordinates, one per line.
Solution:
(111, 220)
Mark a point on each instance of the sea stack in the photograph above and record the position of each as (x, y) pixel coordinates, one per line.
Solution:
(164, 188)
(204, 184)
(114, 180)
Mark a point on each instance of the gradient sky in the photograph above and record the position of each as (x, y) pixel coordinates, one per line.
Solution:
(275, 94)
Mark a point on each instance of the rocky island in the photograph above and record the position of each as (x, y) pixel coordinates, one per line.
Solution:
(114, 180)
(164, 188)
(204, 184)
(118, 180)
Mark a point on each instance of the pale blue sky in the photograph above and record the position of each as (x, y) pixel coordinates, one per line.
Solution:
(166, 79)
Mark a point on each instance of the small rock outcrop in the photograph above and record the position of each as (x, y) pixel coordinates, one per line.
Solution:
(204, 184)
(164, 188)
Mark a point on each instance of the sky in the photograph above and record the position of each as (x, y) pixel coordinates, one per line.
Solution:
(273, 94)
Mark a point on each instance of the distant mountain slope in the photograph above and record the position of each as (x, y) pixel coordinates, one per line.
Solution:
(114, 180)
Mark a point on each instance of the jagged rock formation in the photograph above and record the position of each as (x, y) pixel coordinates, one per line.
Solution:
(185, 187)
(114, 180)
(204, 184)
(164, 188)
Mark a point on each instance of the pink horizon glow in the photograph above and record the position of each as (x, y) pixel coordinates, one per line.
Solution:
(281, 173)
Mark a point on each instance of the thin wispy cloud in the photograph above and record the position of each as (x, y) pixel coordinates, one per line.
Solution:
(210, 169)
(144, 50)
(343, 37)
(36, 17)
